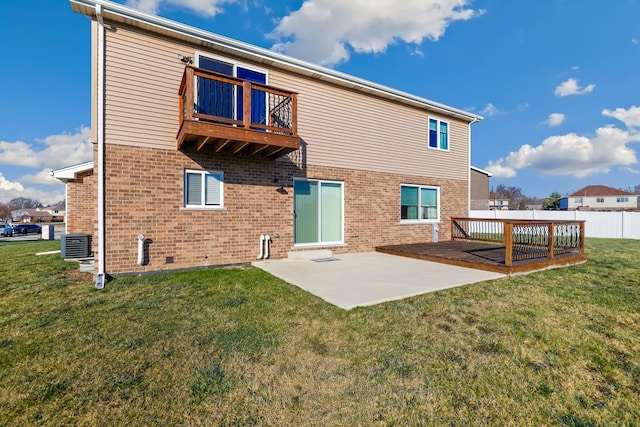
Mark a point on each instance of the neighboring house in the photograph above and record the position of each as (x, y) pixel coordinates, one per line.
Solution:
(497, 203)
(479, 189)
(31, 215)
(599, 198)
(235, 142)
(57, 212)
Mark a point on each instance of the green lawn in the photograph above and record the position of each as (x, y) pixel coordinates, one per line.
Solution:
(240, 347)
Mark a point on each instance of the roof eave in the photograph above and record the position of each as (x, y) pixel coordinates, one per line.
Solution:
(120, 13)
(69, 173)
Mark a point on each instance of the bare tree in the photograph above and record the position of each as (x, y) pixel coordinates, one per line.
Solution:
(24, 203)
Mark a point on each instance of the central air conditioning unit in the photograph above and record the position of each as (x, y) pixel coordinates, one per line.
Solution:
(73, 246)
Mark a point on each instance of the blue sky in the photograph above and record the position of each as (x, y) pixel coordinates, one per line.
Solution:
(557, 80)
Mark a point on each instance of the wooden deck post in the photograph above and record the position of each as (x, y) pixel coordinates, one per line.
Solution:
(551, 243)
(246, 118)
(582, 237)
(189, 98)
(453, 236)
(508, 243)
(294, 113)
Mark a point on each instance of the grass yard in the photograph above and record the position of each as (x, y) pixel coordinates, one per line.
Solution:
(240, 347)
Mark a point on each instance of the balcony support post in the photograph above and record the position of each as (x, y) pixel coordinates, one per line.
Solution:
(246, 117)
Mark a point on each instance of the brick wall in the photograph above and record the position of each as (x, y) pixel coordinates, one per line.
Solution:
(81, 204)
(145, 196)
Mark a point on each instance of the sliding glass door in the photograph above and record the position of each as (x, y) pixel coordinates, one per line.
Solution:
(318, 211)
(221, 99)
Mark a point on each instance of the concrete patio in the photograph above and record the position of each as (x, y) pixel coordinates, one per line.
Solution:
(362, 279)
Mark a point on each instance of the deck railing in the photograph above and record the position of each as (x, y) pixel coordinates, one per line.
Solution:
(523, 239)
(225, 100)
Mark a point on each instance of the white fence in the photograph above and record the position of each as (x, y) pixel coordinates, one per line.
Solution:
(618, 225)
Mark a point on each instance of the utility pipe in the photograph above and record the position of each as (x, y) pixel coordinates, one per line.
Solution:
(100, 277)
(261, 255)
(140, 249)
(267, 239)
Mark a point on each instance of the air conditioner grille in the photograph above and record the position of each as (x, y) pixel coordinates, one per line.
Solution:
(74, 246)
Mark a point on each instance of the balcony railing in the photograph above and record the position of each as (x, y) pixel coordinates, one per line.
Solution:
(523, 239)
(235, 116)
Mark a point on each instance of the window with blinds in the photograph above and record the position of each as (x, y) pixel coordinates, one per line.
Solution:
(203, 189)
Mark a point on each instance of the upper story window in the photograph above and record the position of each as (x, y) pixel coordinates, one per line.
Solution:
(600, 200)
(419, 203)
(622, 200)
(438, 134)
(203, 189)
(577, 200)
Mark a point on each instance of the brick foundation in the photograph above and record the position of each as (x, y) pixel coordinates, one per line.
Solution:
(144, 195)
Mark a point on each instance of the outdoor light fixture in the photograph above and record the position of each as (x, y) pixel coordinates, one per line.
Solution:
(280, 190)
(185, 59)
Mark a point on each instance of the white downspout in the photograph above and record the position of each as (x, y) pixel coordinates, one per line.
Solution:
(100, 276)
(267, 239)
(261, 255)
(66, 208)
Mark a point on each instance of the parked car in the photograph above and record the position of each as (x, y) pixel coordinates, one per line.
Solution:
(6, 230)
(27, 228)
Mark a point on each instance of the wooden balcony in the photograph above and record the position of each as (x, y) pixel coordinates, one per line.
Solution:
(503, 245)
(227, 115)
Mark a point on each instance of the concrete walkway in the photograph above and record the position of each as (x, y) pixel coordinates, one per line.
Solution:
(362, 279)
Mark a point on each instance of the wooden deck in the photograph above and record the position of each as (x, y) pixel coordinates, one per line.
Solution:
(479, 255)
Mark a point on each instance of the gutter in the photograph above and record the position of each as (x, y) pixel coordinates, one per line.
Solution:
(162, 25)
(100, 276)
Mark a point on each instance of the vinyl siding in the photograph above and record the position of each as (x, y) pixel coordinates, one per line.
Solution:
(339, 127)
(348, 129)
(143, 76)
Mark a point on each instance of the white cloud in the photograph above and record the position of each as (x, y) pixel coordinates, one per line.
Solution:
(13, 189)
(206, 7)
(635, 40)
(490, 110)
(499, 170)
(630, 117)
(571, 87)
(6, 185)
(572, 154)
(59, 151)
(41, 178)
(46, 197)
(325, 31)
(52, 152)
(17, 153)
(555, 119)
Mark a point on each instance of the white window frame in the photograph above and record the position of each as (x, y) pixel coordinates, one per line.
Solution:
(328, 243)
(438, 142)
(419, 220)
(622, 199)
(202, 205)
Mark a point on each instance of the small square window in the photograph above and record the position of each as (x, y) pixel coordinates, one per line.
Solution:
(203, 189)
